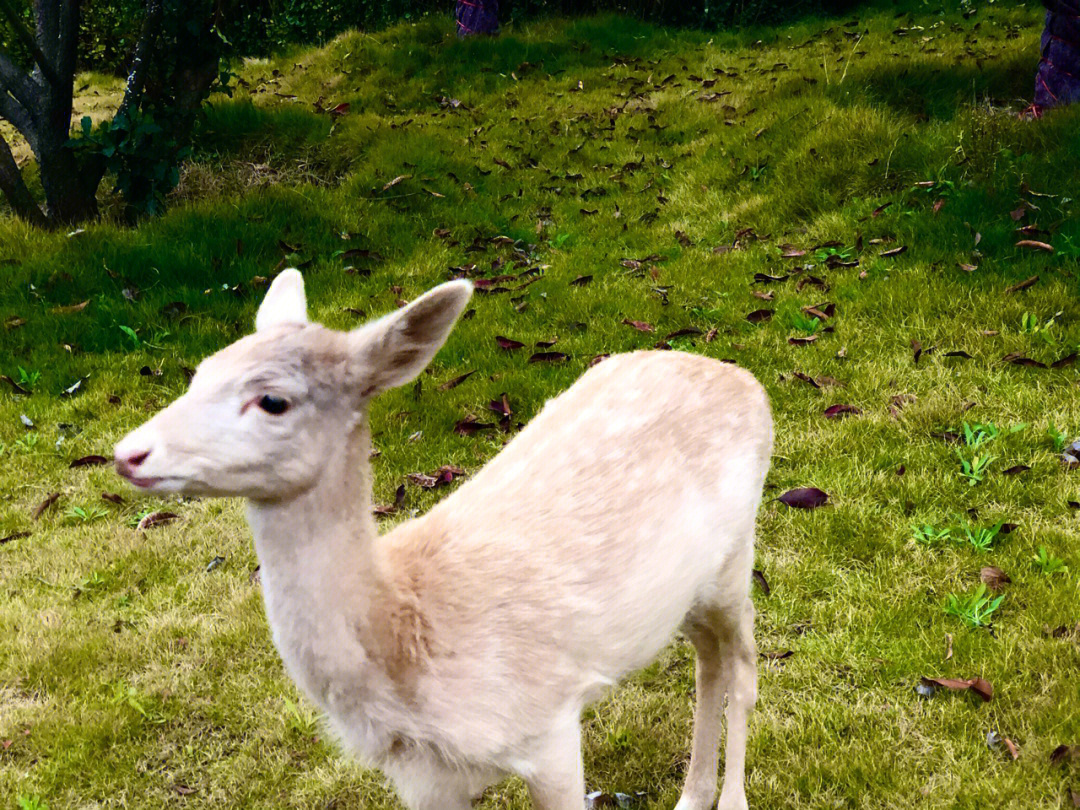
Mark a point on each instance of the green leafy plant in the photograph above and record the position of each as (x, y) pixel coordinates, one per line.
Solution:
(982, 538)
(1047, 563)
(975, 469)
(928, 536)
(28, 443)
(28, 379)
(304, 721)
(1059, 437)
(132, 335)
(87, 515)
(1031, 324)
(29, 802)
(975, 609)
(844, 254)
(805, 324)
(978, 434)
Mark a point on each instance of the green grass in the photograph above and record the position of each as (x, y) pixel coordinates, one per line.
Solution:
(133, 673)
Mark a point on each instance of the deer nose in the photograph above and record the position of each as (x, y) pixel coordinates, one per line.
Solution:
(127, 462)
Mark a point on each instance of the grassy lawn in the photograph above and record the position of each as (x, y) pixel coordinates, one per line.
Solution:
(607, 184)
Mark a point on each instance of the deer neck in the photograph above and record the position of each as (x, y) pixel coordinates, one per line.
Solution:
(320, 569)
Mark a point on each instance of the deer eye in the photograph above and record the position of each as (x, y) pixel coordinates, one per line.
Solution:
(273, 405)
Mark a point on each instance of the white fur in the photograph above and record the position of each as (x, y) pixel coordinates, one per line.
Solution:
(463, 645)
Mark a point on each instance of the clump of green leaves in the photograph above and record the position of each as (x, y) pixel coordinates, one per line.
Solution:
(982, 538)
(975, 468)
(929, 536)
(30, 802)
(975, 609)
(78, 514)
(1047, 563)
(27, 379)
(1059, 437)
(804, 323)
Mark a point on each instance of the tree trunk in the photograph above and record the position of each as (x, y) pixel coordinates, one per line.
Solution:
(477, 17)
(1058, 79)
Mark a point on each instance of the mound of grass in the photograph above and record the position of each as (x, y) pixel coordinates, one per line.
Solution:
(851, 209)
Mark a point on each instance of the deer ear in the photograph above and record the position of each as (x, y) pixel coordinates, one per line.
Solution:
(284, 301)
(393, 350)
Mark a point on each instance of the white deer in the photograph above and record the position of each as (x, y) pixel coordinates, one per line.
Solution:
(463, 645)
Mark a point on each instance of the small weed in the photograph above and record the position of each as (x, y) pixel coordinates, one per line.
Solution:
(805, 324)
(28, 379)
(621, 739)
(975, 609)
(979, 434)
(1031, 324)
(304, 721)
(844, 254)
(28, 443)
(757, 172)
(26, 802)
(1059, 437)
(929, 536)
(132, 335)
(88, 515)
(1048, 564)
(982, 539)
(974, 470)
(124, 695)
(560, 240)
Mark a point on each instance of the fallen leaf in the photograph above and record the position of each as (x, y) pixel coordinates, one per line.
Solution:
(112, 497)
(1035, 245)
(1067, 360)
(802, 341)
(759, 578)
(454, 383)
(18, 389)
(896, 251)
(1018, 359)
(806, 378)
(641, 326)
(88, 461)
(548, 357)
(1064, 753)
(1016, 470)
(395, 181)
(14, 322)
(581, 281)
(778, 655)
(994, 577)
(45, 504)
(979, 686)
(967, 268)
(760, 315)
(1023, 285)
(16, 536)
(948, 646)
(156, 519)
(507, 343)
(70, 309)
(840, 411)
(877, 212)
(471, 425)
(958, 353)
(804, 498)
(1014, 752)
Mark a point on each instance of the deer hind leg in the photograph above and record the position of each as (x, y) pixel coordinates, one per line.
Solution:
(726, 664)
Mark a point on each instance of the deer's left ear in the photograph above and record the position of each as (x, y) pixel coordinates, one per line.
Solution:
(284, 302)
(394, 349)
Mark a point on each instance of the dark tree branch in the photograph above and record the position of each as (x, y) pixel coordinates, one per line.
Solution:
(14, 188)
(137, 75)
(15, 114)
(47, 14)
(14, 80)
(27, 40)
(67, 41)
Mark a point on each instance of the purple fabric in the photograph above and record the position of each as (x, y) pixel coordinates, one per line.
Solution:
(477, 17)
(1058, 79)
